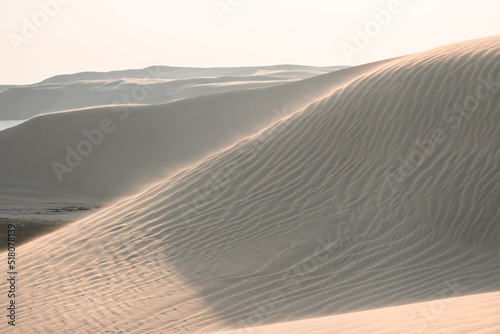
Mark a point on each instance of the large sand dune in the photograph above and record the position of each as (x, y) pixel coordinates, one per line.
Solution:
(383, 193)
(153, 85)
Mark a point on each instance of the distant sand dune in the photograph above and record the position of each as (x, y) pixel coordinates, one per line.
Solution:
(313, 217)
(153, 85)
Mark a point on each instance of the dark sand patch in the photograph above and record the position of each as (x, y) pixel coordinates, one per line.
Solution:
(34, 220)
(27, 229)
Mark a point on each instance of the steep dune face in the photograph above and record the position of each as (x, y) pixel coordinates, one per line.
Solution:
(97, 155)
(153, 85)
(319, 214)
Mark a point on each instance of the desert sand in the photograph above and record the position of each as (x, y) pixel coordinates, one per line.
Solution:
(176, 135)
(370, 205)
(453, 315)
(152, 85)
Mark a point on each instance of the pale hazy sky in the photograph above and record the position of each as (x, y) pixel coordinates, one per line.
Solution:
(103, 35)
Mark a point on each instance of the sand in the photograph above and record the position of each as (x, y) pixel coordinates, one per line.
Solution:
(35, 219)
(376, 193)
(176, 134)
(152, 85)
(459, 315)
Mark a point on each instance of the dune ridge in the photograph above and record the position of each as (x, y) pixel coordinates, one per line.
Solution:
(310, 218)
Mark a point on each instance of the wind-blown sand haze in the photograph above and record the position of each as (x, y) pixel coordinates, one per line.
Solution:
(176, 134)
(153, 85)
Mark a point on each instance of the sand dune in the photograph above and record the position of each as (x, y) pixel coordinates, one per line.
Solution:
(329, 211)
(153, 85)
(168, 72)
(175, 135)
